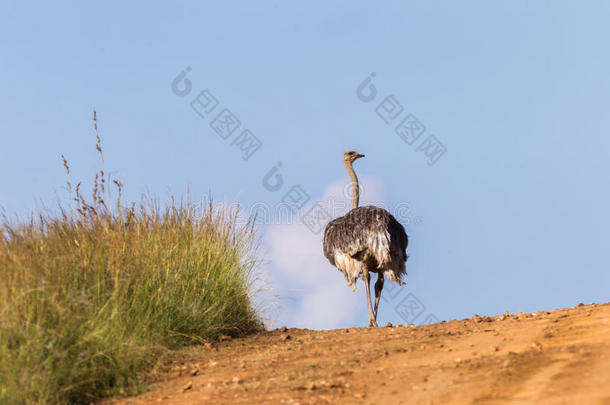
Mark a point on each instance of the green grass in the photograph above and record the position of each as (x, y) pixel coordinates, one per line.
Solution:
(91, 297)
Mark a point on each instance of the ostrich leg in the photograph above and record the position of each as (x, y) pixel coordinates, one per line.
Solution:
(378, 288)
(366, 277)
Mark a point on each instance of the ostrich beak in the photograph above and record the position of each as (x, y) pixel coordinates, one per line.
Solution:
(358, 156)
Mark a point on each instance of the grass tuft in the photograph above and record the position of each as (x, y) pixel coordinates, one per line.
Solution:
(96, 294)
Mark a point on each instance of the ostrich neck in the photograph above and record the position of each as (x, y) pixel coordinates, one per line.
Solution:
(355, 187)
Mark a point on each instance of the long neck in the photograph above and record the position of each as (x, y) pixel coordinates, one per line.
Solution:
(355, 188)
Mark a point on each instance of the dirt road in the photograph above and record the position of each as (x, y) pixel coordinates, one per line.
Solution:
(546, 357)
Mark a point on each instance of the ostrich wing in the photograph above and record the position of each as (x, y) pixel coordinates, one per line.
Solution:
(366, 230)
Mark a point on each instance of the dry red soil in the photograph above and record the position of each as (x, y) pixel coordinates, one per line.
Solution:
(546, 357)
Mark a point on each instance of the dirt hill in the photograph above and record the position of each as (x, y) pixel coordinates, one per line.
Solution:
(546, 357)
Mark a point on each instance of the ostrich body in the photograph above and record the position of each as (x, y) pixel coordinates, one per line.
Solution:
(366, 240)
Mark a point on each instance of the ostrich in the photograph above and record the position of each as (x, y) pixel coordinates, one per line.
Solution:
(366, 240)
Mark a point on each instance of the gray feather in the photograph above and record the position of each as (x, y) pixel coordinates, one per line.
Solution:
(367, 237)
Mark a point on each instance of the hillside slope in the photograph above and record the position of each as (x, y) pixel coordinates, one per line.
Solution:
(546, 357)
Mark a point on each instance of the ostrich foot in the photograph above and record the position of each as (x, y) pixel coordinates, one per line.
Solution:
(372, 323)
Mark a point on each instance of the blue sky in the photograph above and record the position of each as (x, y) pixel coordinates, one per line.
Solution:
(513, 216)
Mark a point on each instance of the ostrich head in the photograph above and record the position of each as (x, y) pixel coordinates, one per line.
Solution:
(349, 156)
